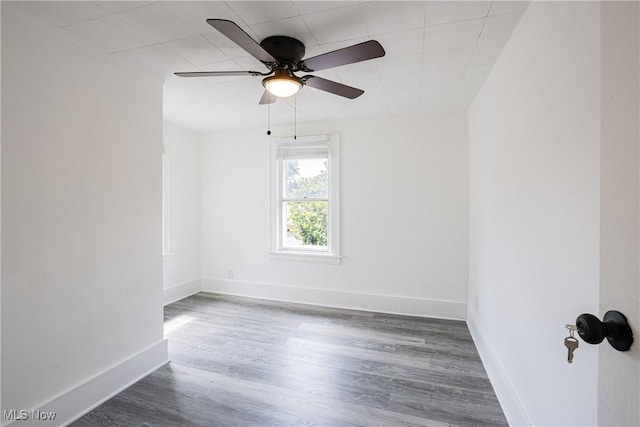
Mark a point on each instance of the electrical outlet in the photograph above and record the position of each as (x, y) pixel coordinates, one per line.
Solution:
(230, 274)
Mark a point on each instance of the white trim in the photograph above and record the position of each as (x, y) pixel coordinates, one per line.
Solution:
(434, 308)
(511, 405)
(77, 401)
(166, 198)
(315, 258)
(301, 140)
(183, 290)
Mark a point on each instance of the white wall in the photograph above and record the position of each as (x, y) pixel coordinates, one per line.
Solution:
(534, 154)
(182, 264)
(618, 387)
(81, 220)
(404, 218)
(0, 220)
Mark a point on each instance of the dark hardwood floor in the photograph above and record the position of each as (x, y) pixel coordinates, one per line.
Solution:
(245, 362)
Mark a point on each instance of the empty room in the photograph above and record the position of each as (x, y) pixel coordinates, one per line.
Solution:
(320, 213)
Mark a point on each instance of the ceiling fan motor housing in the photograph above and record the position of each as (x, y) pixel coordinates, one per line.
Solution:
(287, 50)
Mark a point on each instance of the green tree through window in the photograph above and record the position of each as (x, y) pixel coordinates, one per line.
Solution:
(307, 220)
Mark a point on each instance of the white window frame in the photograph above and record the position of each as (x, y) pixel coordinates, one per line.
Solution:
(330, 255)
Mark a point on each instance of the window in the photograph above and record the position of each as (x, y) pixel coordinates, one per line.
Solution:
(304, 195)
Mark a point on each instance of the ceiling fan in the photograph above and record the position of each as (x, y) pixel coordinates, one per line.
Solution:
(283, 55)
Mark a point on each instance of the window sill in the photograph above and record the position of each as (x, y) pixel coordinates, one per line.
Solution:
(316, 258)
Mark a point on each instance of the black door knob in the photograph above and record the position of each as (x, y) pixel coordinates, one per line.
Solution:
(590, 328)
(614, 327)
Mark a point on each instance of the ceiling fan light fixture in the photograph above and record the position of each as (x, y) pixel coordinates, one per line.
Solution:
(282, 84)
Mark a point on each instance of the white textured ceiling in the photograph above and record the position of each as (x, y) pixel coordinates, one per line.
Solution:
(438, 53)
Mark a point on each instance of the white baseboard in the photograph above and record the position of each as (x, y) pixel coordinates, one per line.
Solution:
(183, 290)
(333, 298)
(74, 403)
(511, 405)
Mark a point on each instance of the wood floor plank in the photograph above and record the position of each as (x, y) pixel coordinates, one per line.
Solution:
(244, 362)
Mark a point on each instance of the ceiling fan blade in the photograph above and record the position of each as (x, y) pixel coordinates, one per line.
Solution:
(241, 38)
(218, 73)
(348, 55)
(332, 87)
(267, 98)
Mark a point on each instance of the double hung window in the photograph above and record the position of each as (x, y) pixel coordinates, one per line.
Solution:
(305, 212)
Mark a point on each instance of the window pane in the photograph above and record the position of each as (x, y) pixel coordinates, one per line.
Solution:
(305, 178)
(305, 224)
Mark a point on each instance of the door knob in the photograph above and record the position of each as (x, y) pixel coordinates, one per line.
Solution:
(614, 327)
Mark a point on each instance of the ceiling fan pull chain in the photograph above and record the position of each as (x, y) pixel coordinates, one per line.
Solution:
(295, 116)
(269, 119)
